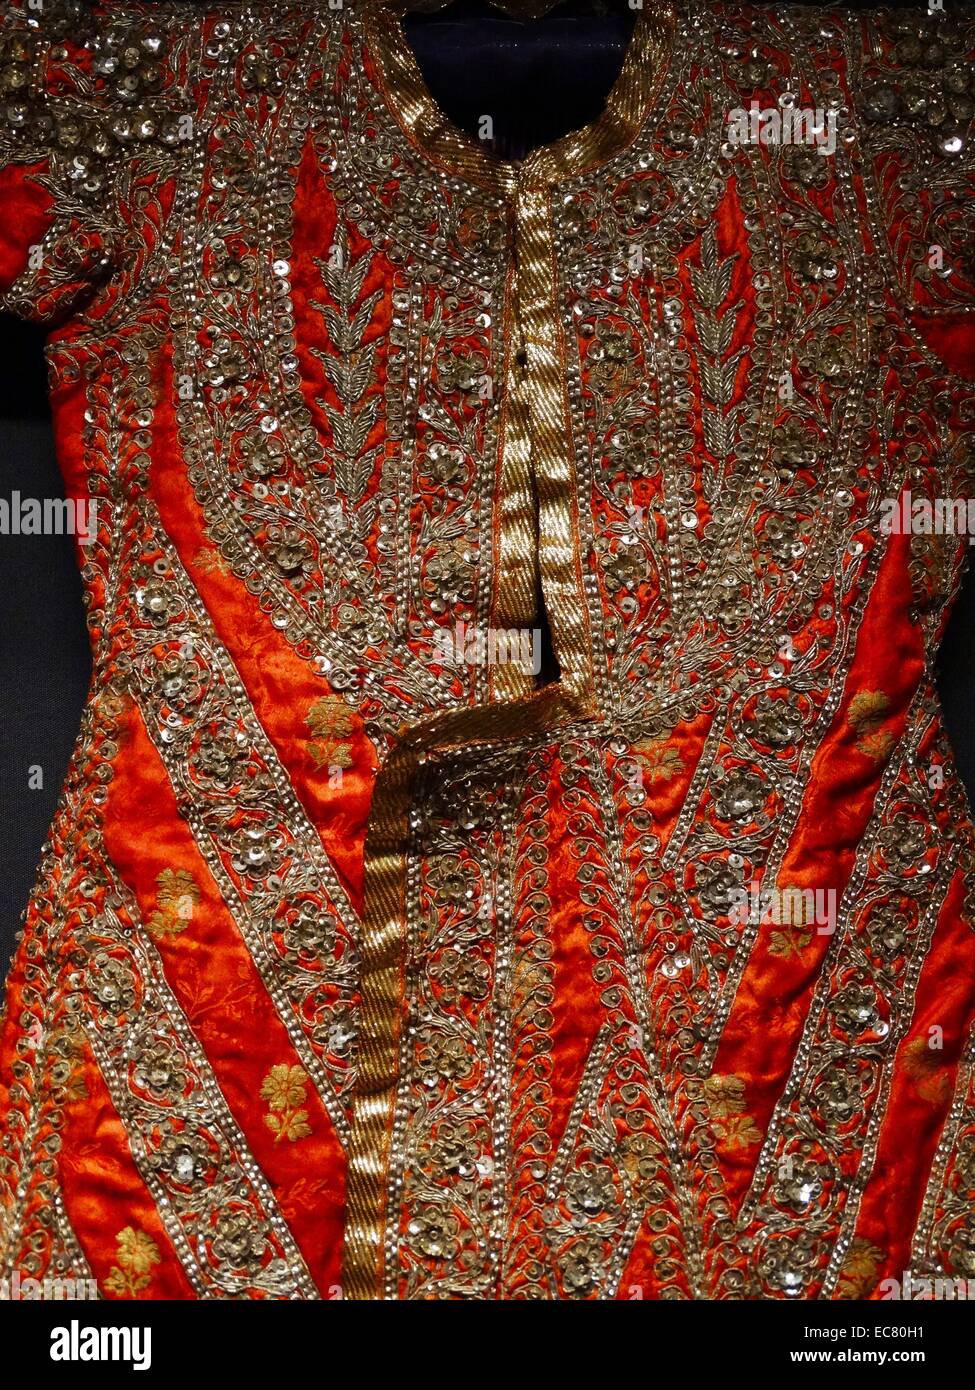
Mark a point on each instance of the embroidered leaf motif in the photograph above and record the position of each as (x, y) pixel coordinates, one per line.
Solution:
(162, 927)
(285, 1089)
(349, 366)
(178, 897)
(718, 365)
(877, 746)
(868, 710)
(208, 560)
(330, 755)
(738, 1132)
(136, 1254)
(293, 1125)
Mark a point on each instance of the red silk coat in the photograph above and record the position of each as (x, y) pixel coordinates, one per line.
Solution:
(364, 958)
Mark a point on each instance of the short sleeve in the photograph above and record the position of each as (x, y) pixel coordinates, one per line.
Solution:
(86, 96)
(915, 93)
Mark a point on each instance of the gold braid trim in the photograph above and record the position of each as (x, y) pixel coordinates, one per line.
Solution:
(429, 129)
(536, 443)
(384, 959)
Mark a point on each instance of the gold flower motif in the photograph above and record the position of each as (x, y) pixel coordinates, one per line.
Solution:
(726, 1095)
(867, 712)
(208, 560)
(136, 1254)
(286, 1091)
(330, 721)
(859, 1271)
(925, 1066)
(663, 762)
(732, 1126)
(178, 896)
(791, 942)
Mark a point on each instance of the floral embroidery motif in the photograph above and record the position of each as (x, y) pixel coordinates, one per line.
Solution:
(792, 910)
(866, 715)
(136, 1254)
(210, 561)
(286, 1091)
(330, 721)
(926, 1067)
(67, 1072)
(178, 897)
(732, 1126)
(662, 761)
(859, 1273)
(791, 942)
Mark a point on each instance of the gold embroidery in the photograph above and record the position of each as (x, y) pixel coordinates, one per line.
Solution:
(350, 369)
(178, 896)
(330, 721)
(561, 578)
(516, 570)
(859, 1272)
(67, 1048)
(662, 761)
(554, 470)
(926, 1067)
(789, 943)
(208, 560)
(867, 712)
(383, 942)
(136, 1255)
(757, 544)
(626, 107)
(286, 1091)
(732, 1126)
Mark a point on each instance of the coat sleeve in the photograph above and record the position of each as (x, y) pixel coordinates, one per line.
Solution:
(89, 105)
